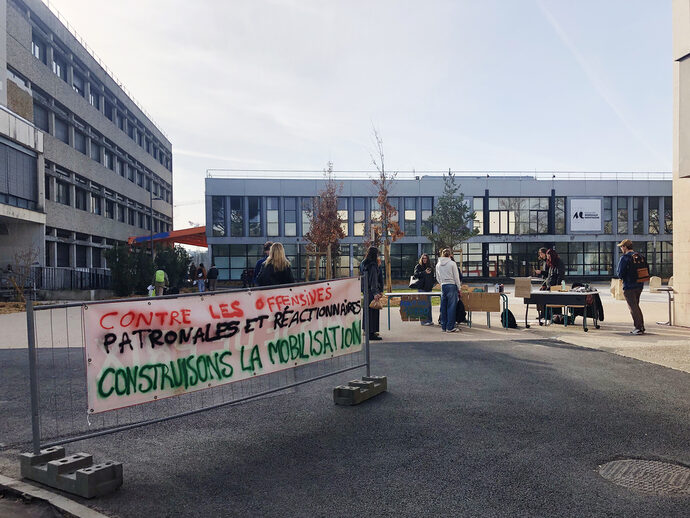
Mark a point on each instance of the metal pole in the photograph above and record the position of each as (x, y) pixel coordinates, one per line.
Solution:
(367, 361)
(33, 379)
(151, 221)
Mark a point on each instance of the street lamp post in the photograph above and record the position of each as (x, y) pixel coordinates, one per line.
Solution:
(151, 198)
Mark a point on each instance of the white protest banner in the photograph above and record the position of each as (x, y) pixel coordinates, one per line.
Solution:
(142, 350)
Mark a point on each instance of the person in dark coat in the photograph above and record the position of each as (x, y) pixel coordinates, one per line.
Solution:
(556, 269)
(259, 263)
(370, 264)
(424, 271)
(276, 268)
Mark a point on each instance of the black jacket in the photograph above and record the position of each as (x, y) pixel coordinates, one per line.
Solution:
(374, 276)
(428, 279)
(556, 274)
(270, 277)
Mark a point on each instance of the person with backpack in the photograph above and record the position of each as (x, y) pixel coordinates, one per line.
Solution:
(160, 281)
(634, 271)
(201, 278)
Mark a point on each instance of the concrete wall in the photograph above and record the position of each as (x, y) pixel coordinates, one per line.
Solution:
(21, 230)
(681, 159)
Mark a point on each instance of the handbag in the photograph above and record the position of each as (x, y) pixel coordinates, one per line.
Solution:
(416, 283)
(376, 304)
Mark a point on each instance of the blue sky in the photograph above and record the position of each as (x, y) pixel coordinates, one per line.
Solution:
(466, 84)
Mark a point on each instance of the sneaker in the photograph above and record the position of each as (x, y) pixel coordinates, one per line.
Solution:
(637, 332)
(375, 337)
(454, 330)
(427, 323)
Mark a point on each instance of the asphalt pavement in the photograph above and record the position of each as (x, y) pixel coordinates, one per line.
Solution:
(490, 428)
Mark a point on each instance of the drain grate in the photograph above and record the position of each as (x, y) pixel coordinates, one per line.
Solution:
(648, 476)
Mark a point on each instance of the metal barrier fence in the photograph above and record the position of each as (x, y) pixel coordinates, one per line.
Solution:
(57, 278)
(58, 374)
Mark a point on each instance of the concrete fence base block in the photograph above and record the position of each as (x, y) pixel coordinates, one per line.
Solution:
(357, 391)
(76, 474)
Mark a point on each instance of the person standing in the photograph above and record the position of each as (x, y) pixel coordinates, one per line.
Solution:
(212, 275)
(201, 278)
(555, 268)
(260, 262)
(424, 271)
(275, 270)
(631, 288)
(191, 273)
(449, 279)
(160, 281)
(543, 271)
(371, 266)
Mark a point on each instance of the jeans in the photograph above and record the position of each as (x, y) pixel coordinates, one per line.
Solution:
(449, 302)
(428, 319)
(201, 284)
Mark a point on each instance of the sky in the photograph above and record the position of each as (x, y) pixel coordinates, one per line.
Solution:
(470, 85)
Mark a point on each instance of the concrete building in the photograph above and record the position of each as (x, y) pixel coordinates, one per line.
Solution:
(100, 168)
(516, 214)
(681, 157)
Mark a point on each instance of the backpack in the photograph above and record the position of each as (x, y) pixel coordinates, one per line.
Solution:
(460, 313)
(508, 316)
(639, 267)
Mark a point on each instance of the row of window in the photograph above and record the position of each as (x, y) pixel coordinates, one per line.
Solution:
(87, 141)
(228, 215)
(68, 68)
(75, 191)
(504, 259)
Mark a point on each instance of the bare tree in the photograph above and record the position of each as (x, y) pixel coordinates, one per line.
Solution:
(387, 222)
(325, 222)
(21, 277)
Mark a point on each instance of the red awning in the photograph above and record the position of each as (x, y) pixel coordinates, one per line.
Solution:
(195, 236)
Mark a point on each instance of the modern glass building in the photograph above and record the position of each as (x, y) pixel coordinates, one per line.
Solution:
(581, 215)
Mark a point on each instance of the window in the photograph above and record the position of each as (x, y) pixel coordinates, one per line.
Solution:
(236, 216)
(254, 216)
(95, 151)
(478, 208)
(80, 198)
(403, 260)
(290, 216)
(131, 217)
(78, 83)
(306, 211)
(218, 216)
(131, 173)
(46, 185)
(108, 158)
(110, 209)
(140, 179)
(59, 67)
(38, 48)
(108, 109)
(94, 98)
(358, 216)
(668, 214)
(344, 215)
(121, 213)
(96, 204)
(40, 117)
(427, 211)
(62, 192)
(410, 216)
(142, 219)
(653, 215)
(80, 141)
(61, 130)
(622, 215)
(80, 253)
(638, 213)
(589, 258)
(272, 220)
(608, 214)
(518, 216)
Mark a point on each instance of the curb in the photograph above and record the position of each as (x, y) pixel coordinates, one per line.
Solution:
(67, 506)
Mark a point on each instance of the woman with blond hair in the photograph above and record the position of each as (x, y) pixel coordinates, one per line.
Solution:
(276, 268)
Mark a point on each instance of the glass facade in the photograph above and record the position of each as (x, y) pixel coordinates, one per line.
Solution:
(273, 217)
